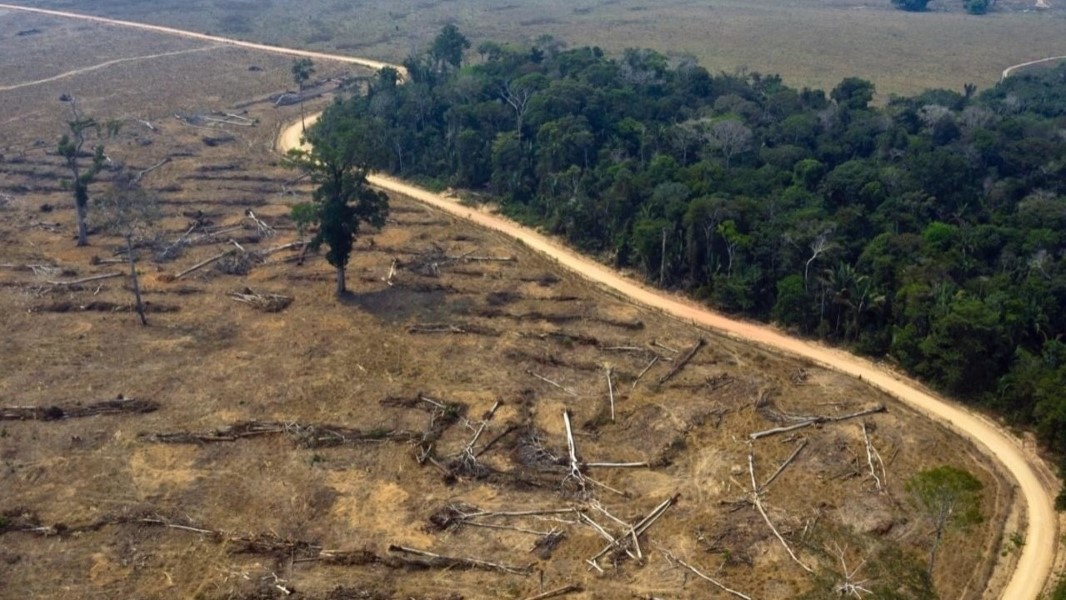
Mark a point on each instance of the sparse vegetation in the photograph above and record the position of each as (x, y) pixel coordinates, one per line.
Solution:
(948, 497)
(82, 129)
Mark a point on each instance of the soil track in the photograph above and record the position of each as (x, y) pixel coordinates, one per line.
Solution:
(1041, 540)
(103, 65)
(1012, 68)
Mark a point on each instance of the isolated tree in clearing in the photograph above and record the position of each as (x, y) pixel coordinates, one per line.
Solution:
(128, 210)
(302, 70)
(947, 497)
(337, 163)
(70, 148)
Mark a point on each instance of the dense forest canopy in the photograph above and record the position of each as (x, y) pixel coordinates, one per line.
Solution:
(929, 230)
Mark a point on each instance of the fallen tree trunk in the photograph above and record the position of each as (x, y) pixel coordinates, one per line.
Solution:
(680, 363)
(85, 279)
(817, 420)
(439, 561)
(58, 413)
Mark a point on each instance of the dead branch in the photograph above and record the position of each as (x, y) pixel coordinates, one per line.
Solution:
(870, 459)
(392, 273)
(849, 587)
(549, 381)
(261, 226)
(680, 364)
(304, 435)
(816, 420)
(664, 347)
(670, 557)
(35, 268)
(575, 466)
(469, 258)
(651, 364)
(618, 465)
(762, 511)
(58, 413)
(610, 391)
(446, 562)
(85, 280)
(269, 251)
(636, 542)
(204, 263)
(622, 542)
(507, 431)
(263, 302)
(788, 461)
(566, 589)
(462, 328)
(140, 175)
(506, 527)
(523, 513)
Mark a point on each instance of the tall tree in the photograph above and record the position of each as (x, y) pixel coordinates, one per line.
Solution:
(337, 161)
(448, 47)
(81, 129)
(302, 70)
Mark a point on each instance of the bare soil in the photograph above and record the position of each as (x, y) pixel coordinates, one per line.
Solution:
(295, 437)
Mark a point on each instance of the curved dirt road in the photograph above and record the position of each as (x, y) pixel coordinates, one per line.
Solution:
(1041, 539)
(1006, 72)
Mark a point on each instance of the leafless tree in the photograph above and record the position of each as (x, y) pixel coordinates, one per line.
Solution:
(517, 94)
(730, 138)
(129, 211)
(819, 245)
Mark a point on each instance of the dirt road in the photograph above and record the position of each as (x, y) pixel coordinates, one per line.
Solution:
(103, 65)
(1041, 537)
(373, 64)
(1006, 72)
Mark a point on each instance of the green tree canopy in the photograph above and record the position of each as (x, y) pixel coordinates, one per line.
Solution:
(337, 161)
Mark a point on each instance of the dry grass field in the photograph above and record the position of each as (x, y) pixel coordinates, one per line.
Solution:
(294, 449)
(809, 42)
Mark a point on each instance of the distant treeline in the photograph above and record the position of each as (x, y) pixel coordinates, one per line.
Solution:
(930, 230)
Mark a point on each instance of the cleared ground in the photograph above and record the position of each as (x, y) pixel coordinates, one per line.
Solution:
(331, 403)
(809, 42)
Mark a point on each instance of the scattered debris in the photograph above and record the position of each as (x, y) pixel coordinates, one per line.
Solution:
(262, 302)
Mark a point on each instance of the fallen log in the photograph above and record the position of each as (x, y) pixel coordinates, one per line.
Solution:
(440, 561)
(762, 511)
(680, 363)
(705, 577)
(263, 302)
(784, 465)
(204, 263)
(303, 435)
(566, 589)
(85, 280)
(817, 420)
(622, 541)
(58, 413)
